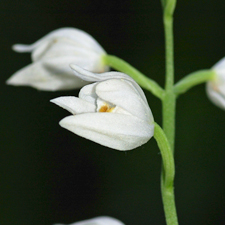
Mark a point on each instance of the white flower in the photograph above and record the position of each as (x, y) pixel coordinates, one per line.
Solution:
(51, 56)
(101, 220)
(112, 112)
(216, 88)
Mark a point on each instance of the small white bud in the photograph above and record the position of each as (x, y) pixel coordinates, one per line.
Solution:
(101, 220)
(51, 56)
(216, 88)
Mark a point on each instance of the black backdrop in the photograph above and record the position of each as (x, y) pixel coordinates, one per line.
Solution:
(50, 175)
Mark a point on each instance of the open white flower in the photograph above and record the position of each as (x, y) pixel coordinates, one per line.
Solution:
(216, 88)
(51, 56)
(101, 220)
(112, 111)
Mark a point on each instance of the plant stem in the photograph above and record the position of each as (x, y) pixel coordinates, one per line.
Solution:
(193, 79)
(169, 101)
(169, 204)
(167, 155)
(169, 107)
(167, 176)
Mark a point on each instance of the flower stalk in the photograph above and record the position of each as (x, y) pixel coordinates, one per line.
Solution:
(167, 176)
(193, 79)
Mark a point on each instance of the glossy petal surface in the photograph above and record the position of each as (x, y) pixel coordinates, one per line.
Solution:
(117, 131)
(74, 105)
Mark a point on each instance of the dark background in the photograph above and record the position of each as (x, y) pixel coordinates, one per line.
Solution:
(50, 175)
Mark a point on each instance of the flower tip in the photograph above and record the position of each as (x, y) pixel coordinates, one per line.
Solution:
(58, 101)
(64, 123)
(22, 48)
(8, 82)
(53, 100)
(12, 81)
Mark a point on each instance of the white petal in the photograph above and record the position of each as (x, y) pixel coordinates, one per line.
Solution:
(40, 50)
(67, 46)
(39, 77)
(215, 96)
(220, 73)
(101, 220)
(62, 64)
(123, 94)
(215, 89)
(77, 35)
(220, 65)
(74, 105)
(117, 131)
(22, 48)
(51, 56)
(61, 46)
(93, 77)
(87, 93)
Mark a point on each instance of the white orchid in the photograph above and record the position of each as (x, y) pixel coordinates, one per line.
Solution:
(101, 220)
(112, 111)
(216, 88)
(51, 56)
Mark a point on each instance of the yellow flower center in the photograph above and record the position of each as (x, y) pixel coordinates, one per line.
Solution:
(106, 108)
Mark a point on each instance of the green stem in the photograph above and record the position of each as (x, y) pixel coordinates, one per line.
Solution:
(193, 79)
(167, 177)
(169, 204)
(169, 107)
(169, 101)
(140, 78)
(168, 27)
(167, 156)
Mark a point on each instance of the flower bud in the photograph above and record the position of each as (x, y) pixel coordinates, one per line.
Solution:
(101, 220)
(51, 56)
(216, 88)
(112, 111)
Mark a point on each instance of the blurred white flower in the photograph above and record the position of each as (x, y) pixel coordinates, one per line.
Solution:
(112, 111)
(51, 56)
(216, 88)
(102, 220)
